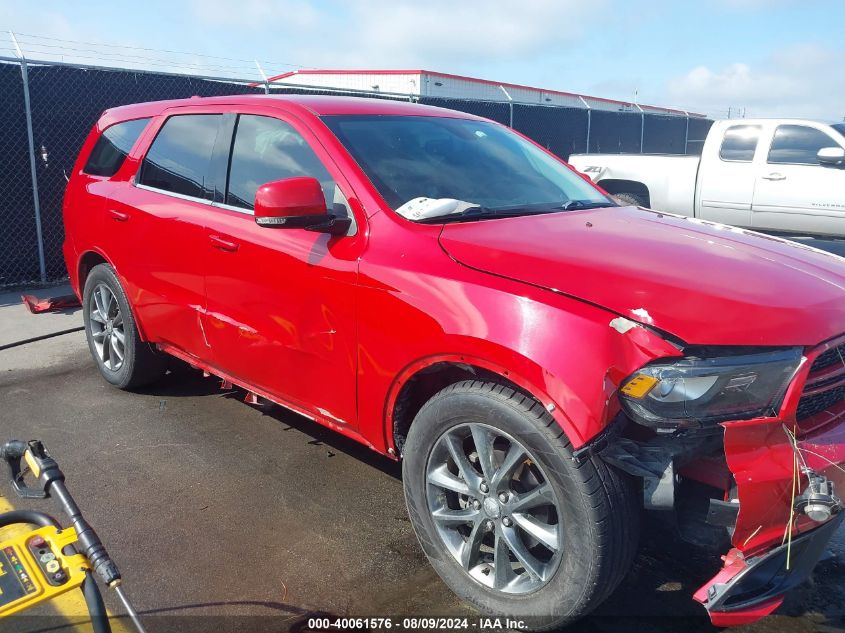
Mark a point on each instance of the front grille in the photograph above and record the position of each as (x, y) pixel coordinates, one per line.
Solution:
(831, 357)
(824, 392)
(809, 406)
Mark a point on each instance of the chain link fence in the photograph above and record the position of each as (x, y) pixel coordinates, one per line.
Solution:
(58, 103)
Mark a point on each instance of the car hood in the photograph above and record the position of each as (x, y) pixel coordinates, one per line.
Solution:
(703, 282)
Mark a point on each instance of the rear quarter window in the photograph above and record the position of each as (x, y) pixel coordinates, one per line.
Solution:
(178, 160)
(113, 146)
(740, 143)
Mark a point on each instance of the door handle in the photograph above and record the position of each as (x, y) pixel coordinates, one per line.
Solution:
(223, 245)
(775, 176)
(119, 216)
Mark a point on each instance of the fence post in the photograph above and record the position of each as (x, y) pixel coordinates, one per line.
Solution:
(589, 121)
(642, 126)
(510, 106)
(36, 203)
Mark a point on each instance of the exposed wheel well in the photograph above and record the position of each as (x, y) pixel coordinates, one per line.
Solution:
(427, 382)
(86, 263)
(615, 186)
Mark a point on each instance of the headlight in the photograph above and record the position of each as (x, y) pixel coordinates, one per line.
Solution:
(689, 392)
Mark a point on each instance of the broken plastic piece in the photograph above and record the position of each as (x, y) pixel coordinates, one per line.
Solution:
(50, 304)
(622, 325)
(422, 208)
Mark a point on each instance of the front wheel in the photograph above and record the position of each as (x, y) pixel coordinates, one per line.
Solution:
(505, 515)
(123, 358)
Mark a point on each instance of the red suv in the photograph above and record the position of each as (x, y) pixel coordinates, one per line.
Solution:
(545, 363)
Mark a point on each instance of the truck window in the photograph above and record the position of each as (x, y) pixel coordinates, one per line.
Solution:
(179, 157)
(740, 143)
(113, 146)
(267, 149)
(798, 145)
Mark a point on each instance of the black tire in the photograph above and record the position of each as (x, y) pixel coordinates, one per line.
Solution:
(599, 509)
(630, 199)
(142, 364)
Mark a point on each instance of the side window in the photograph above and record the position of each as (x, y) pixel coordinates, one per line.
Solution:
(113, 146)
(179, 157)
(798, 145)
(740, 143)
(268, 149)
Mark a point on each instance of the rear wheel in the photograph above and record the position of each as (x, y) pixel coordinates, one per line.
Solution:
(505, 515)
(123, 358)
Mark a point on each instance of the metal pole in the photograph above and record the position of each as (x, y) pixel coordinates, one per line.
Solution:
(642, 126)
(589, 120)
(510, 105)
(263, 76)
(36, 203)
(686, 135)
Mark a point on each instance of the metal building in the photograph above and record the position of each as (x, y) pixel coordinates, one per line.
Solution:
(426, 83)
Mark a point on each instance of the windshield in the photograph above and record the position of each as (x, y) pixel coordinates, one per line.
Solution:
(451, 165)
(839, 127)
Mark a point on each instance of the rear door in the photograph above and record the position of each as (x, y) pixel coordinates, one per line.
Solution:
(726, 176)
(281, 302)
(164, 211)
(794, 193)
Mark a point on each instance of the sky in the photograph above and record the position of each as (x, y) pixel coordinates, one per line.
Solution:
(761, 57)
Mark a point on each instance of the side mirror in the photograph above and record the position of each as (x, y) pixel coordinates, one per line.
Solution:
(831, 156)
(296, 203)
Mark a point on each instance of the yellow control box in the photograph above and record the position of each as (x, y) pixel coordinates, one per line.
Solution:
(34, 568)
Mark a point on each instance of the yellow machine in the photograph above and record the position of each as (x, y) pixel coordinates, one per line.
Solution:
(49, 559)
(33, 568)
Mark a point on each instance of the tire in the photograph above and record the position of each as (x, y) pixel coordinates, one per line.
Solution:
(630, 199)
(595, 507)
(108, 317)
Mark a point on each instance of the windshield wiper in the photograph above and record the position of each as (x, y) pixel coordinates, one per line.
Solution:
(573, 205)
(475, 213)
(480, 212)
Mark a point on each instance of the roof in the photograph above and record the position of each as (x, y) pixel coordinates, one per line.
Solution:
(316, 105)
(489, 82)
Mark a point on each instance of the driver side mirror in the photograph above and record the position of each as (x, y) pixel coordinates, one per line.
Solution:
(831, 156)
(296, 203)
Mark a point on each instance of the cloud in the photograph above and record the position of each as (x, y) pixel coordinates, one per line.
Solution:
(378, 34)
(279, 15)
(801, 81)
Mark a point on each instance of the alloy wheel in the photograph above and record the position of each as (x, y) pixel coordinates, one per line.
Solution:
(494, 508)
(107, 327)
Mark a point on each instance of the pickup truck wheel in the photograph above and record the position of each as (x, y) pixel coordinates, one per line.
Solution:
(631, 199)
(123, 358)
(504, 514)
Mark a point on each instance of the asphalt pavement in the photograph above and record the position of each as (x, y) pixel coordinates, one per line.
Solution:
(227, 516)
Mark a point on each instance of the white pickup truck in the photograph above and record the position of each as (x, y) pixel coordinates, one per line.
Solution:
(771, 175)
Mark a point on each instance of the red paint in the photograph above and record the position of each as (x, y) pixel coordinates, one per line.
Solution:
(289, 198)
(334, 327)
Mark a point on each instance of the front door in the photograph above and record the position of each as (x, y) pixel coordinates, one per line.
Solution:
(281, 302)
(794, 193)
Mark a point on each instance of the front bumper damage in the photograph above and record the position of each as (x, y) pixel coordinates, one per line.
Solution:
(775, 546)
(771, 487)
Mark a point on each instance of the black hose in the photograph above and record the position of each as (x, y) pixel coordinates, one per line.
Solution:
(29, 517)
(96, 606)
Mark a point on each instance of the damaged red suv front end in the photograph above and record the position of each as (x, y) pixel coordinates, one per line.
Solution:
(787, 470)
(769, 481)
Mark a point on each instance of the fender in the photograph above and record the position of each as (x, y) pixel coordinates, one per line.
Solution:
(531, 386)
